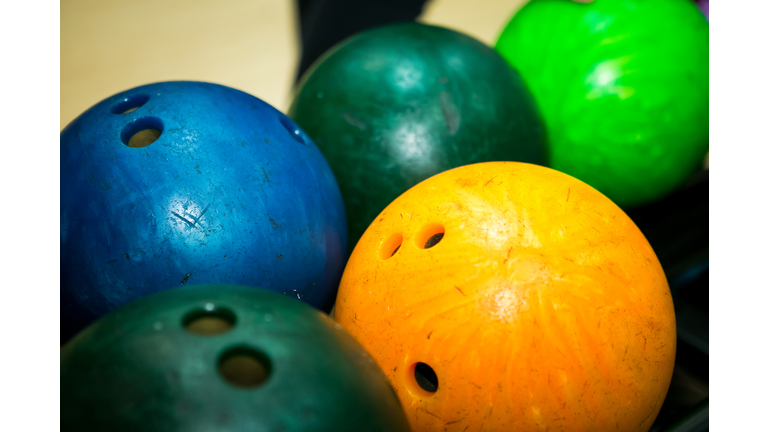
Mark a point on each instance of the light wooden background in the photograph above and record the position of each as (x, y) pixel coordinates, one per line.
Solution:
(252, 45)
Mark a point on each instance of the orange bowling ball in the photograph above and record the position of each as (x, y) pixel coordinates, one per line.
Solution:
(505, 296)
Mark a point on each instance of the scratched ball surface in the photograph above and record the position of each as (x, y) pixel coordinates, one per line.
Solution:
(508, 296)
(222, 358)
(186, 183)
(397, 104)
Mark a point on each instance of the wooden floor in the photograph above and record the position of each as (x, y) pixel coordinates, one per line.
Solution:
(251, 45)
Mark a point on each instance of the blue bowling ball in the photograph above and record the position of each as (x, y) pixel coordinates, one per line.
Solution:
(190, 183)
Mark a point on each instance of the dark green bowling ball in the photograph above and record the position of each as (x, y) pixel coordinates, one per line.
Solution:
(222, 358)
(395, 105)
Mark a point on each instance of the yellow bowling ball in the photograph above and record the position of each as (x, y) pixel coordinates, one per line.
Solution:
(507, 296)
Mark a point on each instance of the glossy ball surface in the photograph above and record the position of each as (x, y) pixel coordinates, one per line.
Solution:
(623, 86)
(395, 105)
(155, 365)
(232, 191)
(535, 300)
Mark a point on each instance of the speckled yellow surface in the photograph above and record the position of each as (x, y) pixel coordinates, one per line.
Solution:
(251, 45)
(542, 306)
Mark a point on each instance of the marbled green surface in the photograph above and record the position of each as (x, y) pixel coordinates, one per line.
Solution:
(395, 105)
(623, 86)
(139, 369)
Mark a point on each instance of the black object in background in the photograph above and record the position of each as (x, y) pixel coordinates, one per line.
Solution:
(677, 227)
(686, 406)
(324, 23)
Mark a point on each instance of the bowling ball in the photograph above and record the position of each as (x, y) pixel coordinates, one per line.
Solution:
(222, 358)
(623, 87)
(508, 296)
(188, 182)
(397, 104)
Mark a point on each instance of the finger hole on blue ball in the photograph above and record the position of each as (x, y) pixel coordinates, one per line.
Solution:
(293, 130)
(129, 104)
(142, 132)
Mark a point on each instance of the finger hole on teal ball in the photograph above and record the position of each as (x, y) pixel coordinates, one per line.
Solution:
(209, 321)
(244, 367)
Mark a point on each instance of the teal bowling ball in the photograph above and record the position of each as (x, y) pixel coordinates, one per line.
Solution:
(226, 359)
(395, 105)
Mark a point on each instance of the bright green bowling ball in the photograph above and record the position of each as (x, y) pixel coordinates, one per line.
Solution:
(623, 86)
